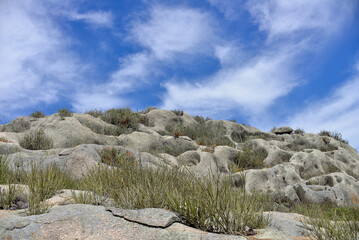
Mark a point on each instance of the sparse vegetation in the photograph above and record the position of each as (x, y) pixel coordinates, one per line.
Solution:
(124, 117)
(331, 222)
(36, 140)
(4, 140)
(95, 113)
(64, 112)
(37, 114)
(251, 157)
(336, 135)
(207, 134)
(178, 112)
(299, 131)
(201, 120)
(42, 183)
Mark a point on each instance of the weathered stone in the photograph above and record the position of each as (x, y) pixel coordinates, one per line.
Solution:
(283, 130)
(155, 217)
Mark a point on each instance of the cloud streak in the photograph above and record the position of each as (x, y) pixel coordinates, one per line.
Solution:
(337, 112)
(34, 56)
(253, 86)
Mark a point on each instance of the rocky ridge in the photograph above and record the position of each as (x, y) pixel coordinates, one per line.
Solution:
(303, 167)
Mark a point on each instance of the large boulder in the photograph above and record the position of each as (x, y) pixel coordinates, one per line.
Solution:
(283, 130)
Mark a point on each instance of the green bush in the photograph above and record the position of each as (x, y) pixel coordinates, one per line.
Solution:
(36, 140)
(64, 112)
(124, 117)
(42, 183)
(37, 114)
(201, 120)
(207, 134)
(251, 157)
(332, 222)
(95, 113)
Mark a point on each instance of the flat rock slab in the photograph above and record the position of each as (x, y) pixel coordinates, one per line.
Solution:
(80, 221)
(154, 217)
(288, 223)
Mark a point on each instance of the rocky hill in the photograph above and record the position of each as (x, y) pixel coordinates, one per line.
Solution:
(293, 167)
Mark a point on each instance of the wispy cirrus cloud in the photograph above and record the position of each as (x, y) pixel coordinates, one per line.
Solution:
(165, 34)
(37, 66)
(337, 112)
(253, 85)
(95, 18)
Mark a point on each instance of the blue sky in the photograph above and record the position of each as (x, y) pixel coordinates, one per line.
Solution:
(265, 63)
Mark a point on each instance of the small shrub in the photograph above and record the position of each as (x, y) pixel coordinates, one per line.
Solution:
(36, 140)
(64, 112)
(37, 114)
(148, 109)
(273, 128)
(178, 112)
(299, 131)
(125, 118)
(207, 134)
(251, 157)
(95, 113)
(114, 157)
(176, 134)
(4, 140)
(336, 135)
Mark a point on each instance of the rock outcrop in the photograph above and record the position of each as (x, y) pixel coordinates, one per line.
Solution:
(295, 168)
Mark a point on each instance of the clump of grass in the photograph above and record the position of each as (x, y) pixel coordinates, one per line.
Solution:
(37, 114)
(336, 135)
(214, 206)
(113, 157)
(64, 112)
(332, 222)
(7, 198)
(124, 118)
(148, 109)
(211, 205)
(251, 157)
(299, 131)
(42, 183)
(95, 113)
(207, 134)
(201, 120)
(177, 112)
(36, 140)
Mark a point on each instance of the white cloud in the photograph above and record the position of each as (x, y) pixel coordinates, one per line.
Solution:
(251, 84)
(249, 88)
(166, 35)
(170, 31)
(35, 65)
(288, 18)
(96, 18)
(338, 112)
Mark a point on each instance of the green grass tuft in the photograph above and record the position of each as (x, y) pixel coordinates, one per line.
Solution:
(36, 140)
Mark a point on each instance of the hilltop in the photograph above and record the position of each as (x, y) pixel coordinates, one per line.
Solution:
(288, 168)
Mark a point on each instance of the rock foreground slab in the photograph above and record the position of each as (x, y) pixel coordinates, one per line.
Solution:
(80, 221)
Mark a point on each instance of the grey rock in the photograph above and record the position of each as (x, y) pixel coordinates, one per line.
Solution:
(288, 223)
(80, 221)
(283, 130)
(155, 217)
